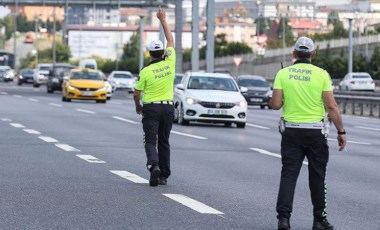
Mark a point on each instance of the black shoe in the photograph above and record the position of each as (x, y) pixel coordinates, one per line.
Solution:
(163, 181)
(283, 224)
(322, 225)
(154, 176)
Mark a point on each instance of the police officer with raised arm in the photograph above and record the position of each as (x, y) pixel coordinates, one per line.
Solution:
(156, 80)
(305, 92)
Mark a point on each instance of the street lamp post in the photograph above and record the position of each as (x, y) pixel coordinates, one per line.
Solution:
(14, 35)
(36, 36)
(141, 53)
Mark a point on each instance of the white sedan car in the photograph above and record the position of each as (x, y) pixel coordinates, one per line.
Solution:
(210, 97)
(122, 80)
(357, 81)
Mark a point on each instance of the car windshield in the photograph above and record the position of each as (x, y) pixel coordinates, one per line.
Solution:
(44, 68)
(212, 83)
(89, 66)
(61, 70)
(177, 79)
(253, 83)
(122, 75)
(29, 71)
(86, 76)
(360, 76)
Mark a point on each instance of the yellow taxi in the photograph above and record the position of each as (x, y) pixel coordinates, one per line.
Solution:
(84, 84)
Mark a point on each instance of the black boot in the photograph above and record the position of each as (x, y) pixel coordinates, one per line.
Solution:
(163, 181)
(283, 224)
(154, 176)
(322, 225)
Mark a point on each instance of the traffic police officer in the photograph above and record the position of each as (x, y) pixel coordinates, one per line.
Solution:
(304, 91)
(156, 80)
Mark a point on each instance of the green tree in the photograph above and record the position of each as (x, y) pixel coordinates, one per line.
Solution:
(374, 63)
(262, 24)
(289, 38)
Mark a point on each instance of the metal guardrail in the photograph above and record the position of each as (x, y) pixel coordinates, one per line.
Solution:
(359, 105)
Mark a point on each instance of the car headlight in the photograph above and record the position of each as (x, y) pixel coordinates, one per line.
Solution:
(269, 93)
(241, 103)
(71, 87)
(103, 88)
(191, 101)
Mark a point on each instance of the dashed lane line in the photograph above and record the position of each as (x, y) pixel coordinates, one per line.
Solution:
(257, 126)
(48, 139)
(3, 93)
(367, 128)
(193, 204)
(32, 99)
(125, 120)
(17, 125)
(6, 119)
(31, 131)
(67, 147)
(189, 135)
(85, 111)
(90, 159)
(265, 152)
(130, 176)
(352, 142)
(18, 96)
(54, 104)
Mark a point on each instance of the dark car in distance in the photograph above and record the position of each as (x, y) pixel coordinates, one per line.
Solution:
(56, 74)
(25, 76)
(259, 91)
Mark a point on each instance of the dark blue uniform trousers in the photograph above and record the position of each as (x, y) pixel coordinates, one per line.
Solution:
(295, 145)
(157, 123)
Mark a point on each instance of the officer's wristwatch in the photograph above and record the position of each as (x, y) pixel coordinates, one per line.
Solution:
(342, 133)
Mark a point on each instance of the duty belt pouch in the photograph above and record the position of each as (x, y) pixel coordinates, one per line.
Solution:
(281, 125)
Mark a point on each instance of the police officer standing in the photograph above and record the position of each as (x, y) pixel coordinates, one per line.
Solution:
(156, 80)
(304, 91)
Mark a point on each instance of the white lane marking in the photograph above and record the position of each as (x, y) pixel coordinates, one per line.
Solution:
(32, 99)
(262, 151)
(130, 176)
(257, 126)
(193, 204)
(17, 125)
(3, 93)
(189, 135)
(367, 128)
(352, 142)
(19, 96)
(6, 119)
(90, 159)
(56, 105)
(85, 111)
(31, 131)
(48, 139)
(125, 120)
(67, 148)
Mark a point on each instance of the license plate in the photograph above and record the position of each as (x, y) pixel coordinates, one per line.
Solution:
(256, 99)
(217, 112)
(87, 94)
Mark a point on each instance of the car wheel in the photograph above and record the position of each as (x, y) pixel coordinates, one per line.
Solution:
(227, 124)
(269, 107)
(240, 125)
(19, 83)
(49, 90)
(63, 98)
(182, 120)
(262, 106)
(176, 114)
(108, 98)
(36, 85)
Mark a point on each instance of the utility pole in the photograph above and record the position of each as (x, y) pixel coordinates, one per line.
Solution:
(195, 36)
(178, 36)
(350, 46)
(210, 51)
(54, 32)
(141, 53)
(14, 35)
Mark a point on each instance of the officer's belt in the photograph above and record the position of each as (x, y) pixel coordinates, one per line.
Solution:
(160, 102)
(314, 125)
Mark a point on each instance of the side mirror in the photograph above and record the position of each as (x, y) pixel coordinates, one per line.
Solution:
(243, 89)
(180, 87)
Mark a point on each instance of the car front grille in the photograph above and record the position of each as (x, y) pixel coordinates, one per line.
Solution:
(256, 93)
(216, 116)
(218, 105)
(87, 89)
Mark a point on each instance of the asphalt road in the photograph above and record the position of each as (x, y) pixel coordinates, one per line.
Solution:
(81, 165)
